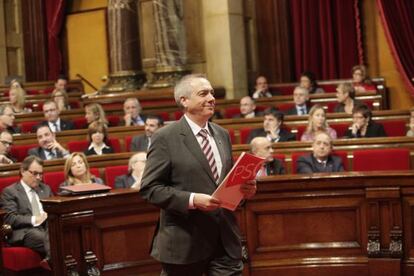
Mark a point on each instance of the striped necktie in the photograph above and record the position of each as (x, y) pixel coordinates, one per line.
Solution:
(208, 152)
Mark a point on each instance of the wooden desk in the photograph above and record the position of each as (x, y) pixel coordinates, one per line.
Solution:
(343, 224)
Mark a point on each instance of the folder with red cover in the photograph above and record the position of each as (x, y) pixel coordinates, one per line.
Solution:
(245, 168)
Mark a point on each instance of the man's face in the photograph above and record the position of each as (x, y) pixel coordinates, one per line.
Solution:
(341, 95)
(33, 175)
(261, 84)
(264, 149)
(247, 105)
(51, 112)
(8, 117)
(131, 107)
(6, 141)
(300, 96)
(271, 123)
(45, 137)
(201, 103)
(322, 146)
(151, 125)
(359, 119)
(61, 84)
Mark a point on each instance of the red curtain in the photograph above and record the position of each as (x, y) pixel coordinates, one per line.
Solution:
(326, 37)
(398, 21)
(55, 16)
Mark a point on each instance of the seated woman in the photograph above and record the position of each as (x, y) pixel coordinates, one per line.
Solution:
(17, 98)
(94, 112)
(410, 132)
(345, 95)
(77, 172)
(60, 97)
(363, 126)
(360, 79)
(317, 123)
(136, 167)
(98, 139)
(308, 81)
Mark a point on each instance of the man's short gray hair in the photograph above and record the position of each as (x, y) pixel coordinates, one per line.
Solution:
(183, 88)
(135, 100)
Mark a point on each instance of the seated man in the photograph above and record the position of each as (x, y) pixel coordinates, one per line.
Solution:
(7, 119)
(247, 108)
(132, 110)
(363, 126)
(61, 83)
(272, 128)
(136, 167)
(48, 148)
(143, 142)
(24, 212)
(51, 113)
(301, 100)
(262, 147)
(6, 141)
(321, 159)
(261, 88)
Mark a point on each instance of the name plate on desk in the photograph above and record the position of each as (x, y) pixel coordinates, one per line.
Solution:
(85, 189)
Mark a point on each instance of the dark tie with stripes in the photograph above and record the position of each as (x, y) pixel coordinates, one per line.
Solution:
(208, 152)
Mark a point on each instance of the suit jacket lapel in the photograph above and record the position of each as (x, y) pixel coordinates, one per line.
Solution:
(194, 147)
(23, 196)
(42, 153)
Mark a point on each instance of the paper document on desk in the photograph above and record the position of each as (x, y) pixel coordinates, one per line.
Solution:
(245, 168)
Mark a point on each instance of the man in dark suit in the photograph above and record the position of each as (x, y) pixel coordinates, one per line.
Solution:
(186, 161)
(24, 212)
(55, 123)
(321, 159)
(132, 111)
(262, 147)
(7, 119)
(136, 167)
(272, 128)
(48, 148)
(142, 142)
(301, 100)
(6, 142)
(247, 108)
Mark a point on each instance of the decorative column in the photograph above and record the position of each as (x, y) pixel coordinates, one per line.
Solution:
(170, 43)
(125, 59)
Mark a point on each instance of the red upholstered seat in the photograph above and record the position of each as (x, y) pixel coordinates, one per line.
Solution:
(395, 127)
(128, 140)
(381, 159)
(27, 127)
(6, 181)
(115, 144)
(178, 114)
(232, 136)
(164, 115)
(95, 172)
(112, 172)
(79, 146)
(230, 112)
(340, 128)
(301, 130)
(20, 258)
(244, 134)
(54, 179)
(20, 151)
(80, 123)
(295, 157)
(113, 120)
(284, 107)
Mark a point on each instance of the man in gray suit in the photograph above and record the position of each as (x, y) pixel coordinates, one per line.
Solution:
(194, 235)
(48, 148)
(24, 212)
(321, 159)
(142, 142)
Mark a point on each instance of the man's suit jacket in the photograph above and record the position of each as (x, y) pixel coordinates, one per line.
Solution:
(294, 111)
(124, 181)
(175, 168)
(373, 130)
(64, 125)
(15, 202)
(275, 167)
(284, 135)
(309, 164)
(139, 143)
(40, 152)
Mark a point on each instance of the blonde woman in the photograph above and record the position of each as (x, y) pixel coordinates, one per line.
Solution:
(17, 98)
(94, 112)
(60, 97)
(317, 123)
(77, 171)
(360, 79)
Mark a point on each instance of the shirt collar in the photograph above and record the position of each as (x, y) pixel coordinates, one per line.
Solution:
(91, 146)
(26, 187)
(194, 127)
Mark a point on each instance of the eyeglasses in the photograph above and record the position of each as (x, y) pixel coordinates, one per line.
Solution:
(36, 174)
(6, 143)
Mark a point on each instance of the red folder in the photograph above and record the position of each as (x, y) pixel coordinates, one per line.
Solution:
(245, 168)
